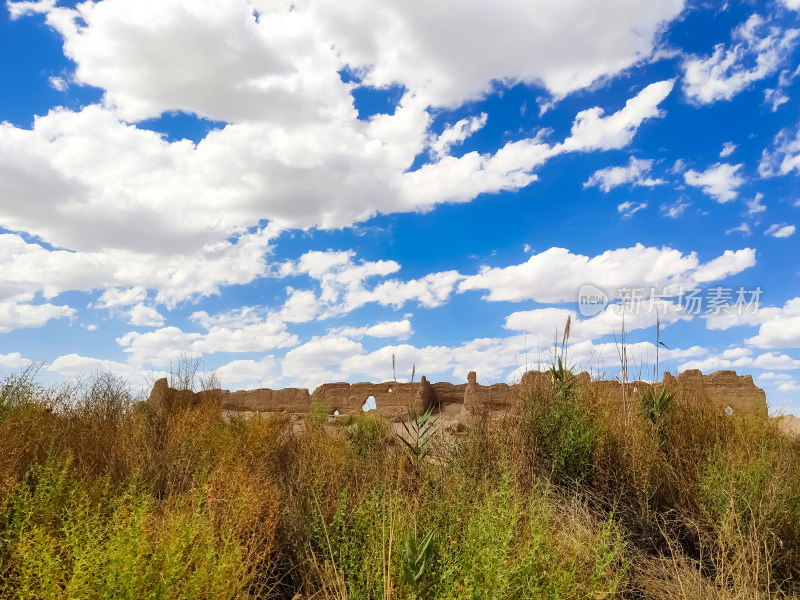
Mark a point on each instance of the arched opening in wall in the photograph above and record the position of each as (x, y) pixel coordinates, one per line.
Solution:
(369, 404)
(728, 410)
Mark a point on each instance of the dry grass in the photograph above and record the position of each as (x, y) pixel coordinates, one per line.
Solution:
(569, 496)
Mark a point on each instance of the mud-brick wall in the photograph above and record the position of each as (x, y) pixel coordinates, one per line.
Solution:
(725, 389)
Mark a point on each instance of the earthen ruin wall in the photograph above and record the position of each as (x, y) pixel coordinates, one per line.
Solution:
(725, 389)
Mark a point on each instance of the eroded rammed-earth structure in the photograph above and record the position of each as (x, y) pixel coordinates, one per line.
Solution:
(725, 389)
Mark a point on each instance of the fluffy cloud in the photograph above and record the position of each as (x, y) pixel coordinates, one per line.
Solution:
(755, 315)
(730, 263)
(781, 230)
(674, 209)
(157, 347)
(439, 146)
(401, 330)
(727, 71)
(233, 319)
(755, 206)
(545, 323)
(223, 334)
(13, 361)
(113, 297)
(457, 50)
(431, 290)
(769, 360)
(635, 173)
(510, 168)
(784, 157)
(782, 329)
(145, 316)
(541, 322)
(789, 386)
(556, 275)
(29, 268)
(301, 306)
(95, 185)
(215, 59)
(15, 315)
(75, 365)
(337, 268)
(592, 131)
(345, 284)
(236, 60)
(720, 181)
(770, 376)
(727, 149)
(249, 374)
(461, 179)
(775, 97)
(320, 360)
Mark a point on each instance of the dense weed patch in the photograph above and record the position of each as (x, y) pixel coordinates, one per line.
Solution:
(569, 496)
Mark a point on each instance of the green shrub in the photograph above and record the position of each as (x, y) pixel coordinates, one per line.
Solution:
(351, 549)
(508, 545)
(564, 434)
(732, 484)
(367, 432)
(318, 413)
(64, 540)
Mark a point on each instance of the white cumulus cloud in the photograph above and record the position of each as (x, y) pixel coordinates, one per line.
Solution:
(759, 51)
(781, 230)
(636, 173)
(14, 315)
(782, 329)
(237, 59)
(145, 316)
(720, 181)
(784, 156)
(556, 274)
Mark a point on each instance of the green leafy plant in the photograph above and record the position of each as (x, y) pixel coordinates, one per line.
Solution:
(655, 403)
(656, 400)
(420, 430)
(569, 436)
(561, 377)
(562, 380)
(415, 563)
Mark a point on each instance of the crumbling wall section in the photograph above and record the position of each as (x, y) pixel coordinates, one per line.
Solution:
(727, 390)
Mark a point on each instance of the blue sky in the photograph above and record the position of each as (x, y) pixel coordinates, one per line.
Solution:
(294, 192)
